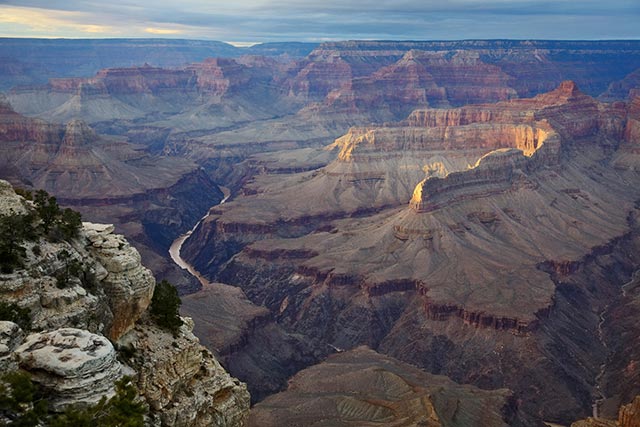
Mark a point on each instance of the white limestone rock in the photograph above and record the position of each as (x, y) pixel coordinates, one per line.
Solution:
(73, 365)
(182, 381)
(11, 203)
(10, 337)
(127, 283)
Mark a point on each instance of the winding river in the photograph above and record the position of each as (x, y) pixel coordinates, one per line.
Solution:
(176, 246)
(601, 336)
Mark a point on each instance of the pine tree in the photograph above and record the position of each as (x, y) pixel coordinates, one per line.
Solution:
(164, 306)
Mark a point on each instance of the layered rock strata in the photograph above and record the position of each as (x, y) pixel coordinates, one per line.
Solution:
(182, 382)
(128, 285)
(628, 416)
(73, 366)
(151, 199)
(361, 387)
(475, 271)
(247, 340)
(11, 336)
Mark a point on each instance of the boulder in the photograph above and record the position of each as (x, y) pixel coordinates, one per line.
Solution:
(74, 366)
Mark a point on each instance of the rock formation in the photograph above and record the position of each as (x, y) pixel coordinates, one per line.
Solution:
(247, 340)
(82, 295)
(73, 366)
(127, 284)
(144, 193)
(122, 285)
(519, 201)
(51, 58)
(10, 338)
(361, 387)
(497, 272)
(182, 382)
(628, 416)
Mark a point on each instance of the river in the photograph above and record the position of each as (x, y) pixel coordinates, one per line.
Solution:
(176, 246)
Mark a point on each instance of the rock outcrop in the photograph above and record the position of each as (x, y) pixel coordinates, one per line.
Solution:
(73, 366)
(11, 336)
(86, 292)
(247, 340)
(107, 296)
(128, 285)
(182, 382)
(151, 199)
(628, 416)
(361, 387)
(494, 173)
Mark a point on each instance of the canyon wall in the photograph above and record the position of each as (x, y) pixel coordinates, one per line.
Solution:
(90, 327)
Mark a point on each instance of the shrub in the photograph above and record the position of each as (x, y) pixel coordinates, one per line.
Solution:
(14, 313)
(122, 410)
(72, 268)
(27, 194)
(14, 229)
(19, 400)
(70, 223)
(47, 208)
(56, 222)
(23, 404)
(164, 306)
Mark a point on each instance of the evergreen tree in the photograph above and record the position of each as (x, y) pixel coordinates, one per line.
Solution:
(164, 306)
(19, 400)
(14, 229)
(47, 208)
(69, 223)
(16, 314)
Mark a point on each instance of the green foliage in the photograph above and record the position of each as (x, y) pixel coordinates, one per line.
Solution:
(72, 268)
(122, 410)
(16, 314)
(69, 223)
(47, 208)
(58, 223)
(27, 194)
(164, 306)
(19, 400)
(14, 229)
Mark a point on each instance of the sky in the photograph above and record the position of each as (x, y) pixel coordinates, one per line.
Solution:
(244, 22)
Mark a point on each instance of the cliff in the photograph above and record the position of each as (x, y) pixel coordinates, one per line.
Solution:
(151, 198)
(628, 416)
(49, 58)
(489, 268)
(87, 298)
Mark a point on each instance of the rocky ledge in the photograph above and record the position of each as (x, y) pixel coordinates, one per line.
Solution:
(85, 299)
(73, 366)
(127, 283)
(182, 381)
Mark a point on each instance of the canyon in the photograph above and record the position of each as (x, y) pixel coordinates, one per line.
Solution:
(473, 273)
(466, 209)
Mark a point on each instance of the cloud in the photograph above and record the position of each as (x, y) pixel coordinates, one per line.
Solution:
(272, 20)
(48, 21)
(163, 31)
